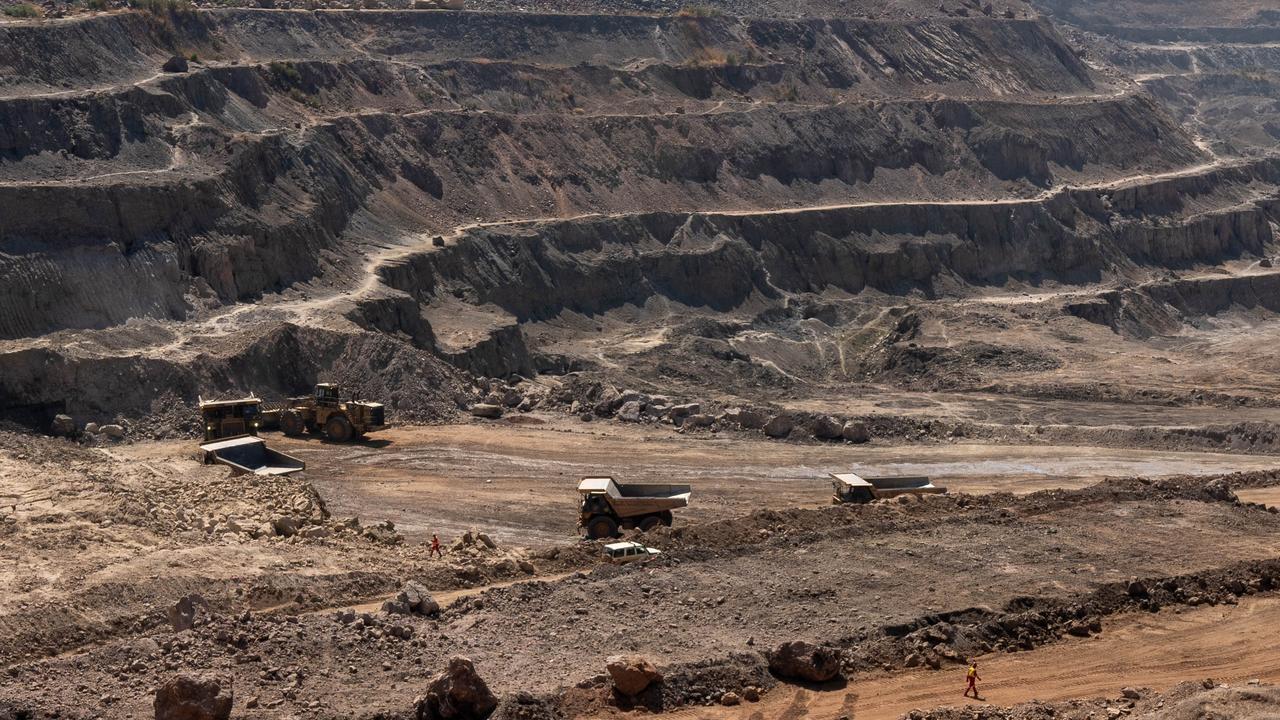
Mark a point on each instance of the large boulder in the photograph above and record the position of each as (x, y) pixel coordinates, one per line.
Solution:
(800, 660)
(630, 411)
(746, 418)
(184, 613)
(856, 432)
(699, 420)
(62, 425)
(284, 525)
(632, 674)
(492, 411)
(678, 413)
(416, 598)
(827, 428)
(458, 693)
(779, 426)
(610, 400)
(115, 432)
(187, 697)
(176, 64)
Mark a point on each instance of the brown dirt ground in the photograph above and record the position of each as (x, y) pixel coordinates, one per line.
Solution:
(1231, 644)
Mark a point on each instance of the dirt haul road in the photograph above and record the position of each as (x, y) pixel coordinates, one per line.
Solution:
(522, 479)
(1230, 644)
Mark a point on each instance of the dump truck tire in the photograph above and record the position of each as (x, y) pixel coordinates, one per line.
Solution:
(338, 429)
(666, 517)
(650, 522)
(291, 423)
(601, 527)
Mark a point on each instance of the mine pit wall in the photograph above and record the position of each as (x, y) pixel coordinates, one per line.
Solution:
(135, 250)
(228, 229)
(265, 218)
(1163, 307)
(718, 262)
(1019, 55)
(287, 360)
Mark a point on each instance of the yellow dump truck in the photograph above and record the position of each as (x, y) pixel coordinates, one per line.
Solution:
(609, 506)
(854, 488)
(230, 433)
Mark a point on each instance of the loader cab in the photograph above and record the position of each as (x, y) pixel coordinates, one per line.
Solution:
(230, 418)
(327, 394)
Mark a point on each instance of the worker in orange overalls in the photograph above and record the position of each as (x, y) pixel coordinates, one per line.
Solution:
(435, 547)
(972, 677)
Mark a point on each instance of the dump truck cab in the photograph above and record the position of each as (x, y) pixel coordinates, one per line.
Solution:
(854, 488)
(230, 418)
(608, 506)
(325, 411)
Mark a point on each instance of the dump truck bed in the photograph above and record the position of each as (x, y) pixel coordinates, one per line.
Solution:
(634, 499)
(889, 486)
(250, 455)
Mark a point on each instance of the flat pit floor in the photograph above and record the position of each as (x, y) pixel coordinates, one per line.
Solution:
(761, 557)
(518, 481)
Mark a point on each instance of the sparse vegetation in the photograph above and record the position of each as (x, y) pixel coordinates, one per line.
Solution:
(98, 5)
(285, 74)
(21, 10)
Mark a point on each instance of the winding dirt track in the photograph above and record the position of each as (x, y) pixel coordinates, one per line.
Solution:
(1230, 644)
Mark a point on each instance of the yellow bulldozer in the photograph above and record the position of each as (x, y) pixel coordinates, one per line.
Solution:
(324, 411)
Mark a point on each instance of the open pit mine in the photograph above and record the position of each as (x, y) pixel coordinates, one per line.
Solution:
(621, 359)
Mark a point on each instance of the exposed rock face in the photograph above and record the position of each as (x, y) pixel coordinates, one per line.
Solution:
(632, 674)
(458, 693)
(188, 697)
(801, 660)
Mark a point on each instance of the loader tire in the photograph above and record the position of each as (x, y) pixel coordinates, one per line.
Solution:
(650, 522)
(291, 423)
(601, 527)
(338, 429)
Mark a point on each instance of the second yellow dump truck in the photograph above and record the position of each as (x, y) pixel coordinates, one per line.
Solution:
(854, 488)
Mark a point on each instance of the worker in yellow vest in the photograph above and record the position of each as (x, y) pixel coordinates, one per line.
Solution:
(972, 677)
